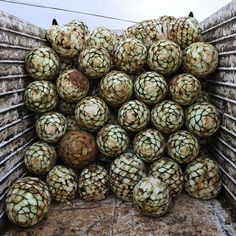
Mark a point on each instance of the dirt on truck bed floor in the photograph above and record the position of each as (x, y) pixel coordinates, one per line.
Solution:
(114, 217)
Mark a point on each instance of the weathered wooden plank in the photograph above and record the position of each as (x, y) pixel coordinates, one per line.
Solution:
(221, 31)
(12, 115)
(7, 53)
(224, 76)
(222, 90)
(17, 142)
(12, 38)
(7, 85)
(17, 24)
(220, 17)
(15, 129)
(223, 104)
(224, 44)
(10, 100)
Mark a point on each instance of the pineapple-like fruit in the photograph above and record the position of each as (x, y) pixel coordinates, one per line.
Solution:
(185, 89)
(164, 56)
(148, 32)
(152, 197)
(149, 145)
(50, 127)
(167, 116)
(71, 123)
(66, 108)
(78, 149)
(168, 171)
(62, 182)
(66, 40)
(116, 88)
(72, 85)
(185, 31)
(200, 59)
(150, 87)
(130, 55)
(134, 116)
(93, 183)
(203, 179)
(41, 96)
(27, 201)
(94, 61)
(183, 147)
(40, 158)
(91, 113)
(112, 140)
(102, 37)
(125, 172)
(80, 26)
(42, 63)
(202, 119)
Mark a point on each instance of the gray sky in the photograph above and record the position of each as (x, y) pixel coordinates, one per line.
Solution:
(135, 10)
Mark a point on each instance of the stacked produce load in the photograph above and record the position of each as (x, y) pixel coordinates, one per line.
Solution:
(124, 113)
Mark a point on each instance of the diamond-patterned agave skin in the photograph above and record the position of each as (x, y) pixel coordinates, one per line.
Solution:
(183, 147)
(185, 31)
(93, 183)
(150, 87)
(72, 85)
(72, 123)
(134, 116)
(203, 179)
(167, 23)
(42, 63)
(94, 61)
(66, 65)
(203, 97)
(116, 88)
(200, 59)
(202, 119)
(51, 126)
(102, 37)
(78, 149)
(166, 19)
(112, 140)
(91, 113)
(62, 182)
(125, 172)
(152, 197)
(41, 96)
(80, 25)
(185, 89)
(169, 172)
(66, 108)
(67, 40)
(164, 56)
(167, 116)
(149, 145)
(27, 201)
(148, 32)
(40, 158)
(130, 55)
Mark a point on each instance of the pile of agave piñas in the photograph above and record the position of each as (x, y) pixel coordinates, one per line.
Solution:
(124, 113)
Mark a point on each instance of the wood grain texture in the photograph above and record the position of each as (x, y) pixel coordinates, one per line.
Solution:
(17, 37)
(220, 30)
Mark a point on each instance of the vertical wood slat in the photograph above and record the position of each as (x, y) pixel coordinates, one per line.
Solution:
(17, 37)
(220, 30)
